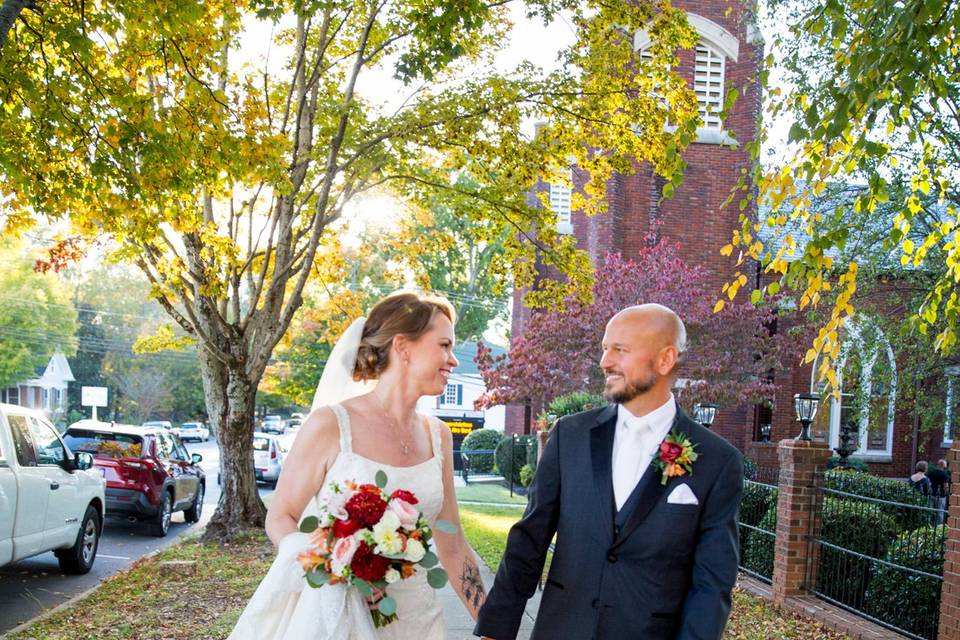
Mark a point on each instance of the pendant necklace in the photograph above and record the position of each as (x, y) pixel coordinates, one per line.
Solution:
(404, 448)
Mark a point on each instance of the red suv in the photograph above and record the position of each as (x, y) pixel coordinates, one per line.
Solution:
(148, 472)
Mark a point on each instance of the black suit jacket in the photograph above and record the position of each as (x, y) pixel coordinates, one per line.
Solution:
(666, 574)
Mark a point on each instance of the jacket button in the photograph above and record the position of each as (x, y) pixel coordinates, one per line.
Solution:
(611, 558)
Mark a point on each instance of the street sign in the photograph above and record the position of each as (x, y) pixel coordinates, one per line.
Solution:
(93, 397)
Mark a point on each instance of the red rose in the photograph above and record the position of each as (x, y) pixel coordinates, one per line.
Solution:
(366, 508)
(367, 565)
(344, 528)
(404, 495)
(670, 451)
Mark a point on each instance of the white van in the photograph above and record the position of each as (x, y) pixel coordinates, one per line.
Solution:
(50, 499)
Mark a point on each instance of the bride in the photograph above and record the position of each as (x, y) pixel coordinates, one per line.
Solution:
(364, 420)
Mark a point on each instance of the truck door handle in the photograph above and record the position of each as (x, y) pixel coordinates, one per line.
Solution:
(54, 486)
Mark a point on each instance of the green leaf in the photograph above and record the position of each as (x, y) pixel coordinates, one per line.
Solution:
(317, 578)
(445, 527)
(430, 560)
(309, 524)
(387, 606)
(363, 587)
(756, 295)
(381, 479)
(773, 288)
(437, 578)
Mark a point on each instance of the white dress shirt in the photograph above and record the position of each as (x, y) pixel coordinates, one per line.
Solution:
(635, 442)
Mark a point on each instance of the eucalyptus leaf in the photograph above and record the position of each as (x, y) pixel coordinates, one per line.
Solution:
(381, 479)
(317, 578)
(437, 578)
(430, 560)
(309, 524)
(363, 587)
(387, 606)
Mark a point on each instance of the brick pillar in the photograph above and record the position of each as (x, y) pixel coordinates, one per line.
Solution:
(800, 462)
(950, 593)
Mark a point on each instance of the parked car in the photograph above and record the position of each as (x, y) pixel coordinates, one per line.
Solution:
(192, 431)
(274, 424)
(269, 452)
(148, 471)
(50, 497)
(163, 424)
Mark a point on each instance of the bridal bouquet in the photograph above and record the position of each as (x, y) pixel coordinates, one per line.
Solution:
(369, 539)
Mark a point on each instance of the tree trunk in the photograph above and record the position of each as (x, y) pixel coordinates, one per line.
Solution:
(231, 399)
(9, 12)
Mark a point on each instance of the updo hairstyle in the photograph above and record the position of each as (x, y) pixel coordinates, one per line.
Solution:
(407, 314)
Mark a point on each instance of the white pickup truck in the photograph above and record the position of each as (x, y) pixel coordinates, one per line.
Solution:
(50, 499)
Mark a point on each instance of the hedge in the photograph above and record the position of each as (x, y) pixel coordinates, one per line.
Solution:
(854, 525)
(757, 554)
(905, 599)
(575, 402)
(524, 452)
(888, 489)
(480, 440)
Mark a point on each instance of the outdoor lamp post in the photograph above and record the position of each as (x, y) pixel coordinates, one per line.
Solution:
(806, 406)
(765, 429)
(705, 413)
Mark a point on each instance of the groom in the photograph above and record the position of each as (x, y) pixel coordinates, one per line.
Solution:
(639, 553)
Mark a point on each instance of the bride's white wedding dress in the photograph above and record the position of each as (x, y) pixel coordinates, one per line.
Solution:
(285, 608)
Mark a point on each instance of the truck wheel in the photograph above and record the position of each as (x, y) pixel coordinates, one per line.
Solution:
(161, 524)
(79, 558)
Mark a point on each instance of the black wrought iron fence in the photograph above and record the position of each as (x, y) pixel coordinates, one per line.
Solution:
(758, 523)
(513, 462)
(879, 551)
(478, 464)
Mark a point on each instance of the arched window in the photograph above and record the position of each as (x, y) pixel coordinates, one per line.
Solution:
(715, 47)
(867, 377)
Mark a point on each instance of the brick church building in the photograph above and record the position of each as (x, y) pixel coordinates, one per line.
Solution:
(729, 54)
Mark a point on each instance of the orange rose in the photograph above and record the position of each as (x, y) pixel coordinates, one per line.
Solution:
(675, 470)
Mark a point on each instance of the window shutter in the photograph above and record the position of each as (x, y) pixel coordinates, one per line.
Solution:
(708, 84)
(459, 394)
(560, 202)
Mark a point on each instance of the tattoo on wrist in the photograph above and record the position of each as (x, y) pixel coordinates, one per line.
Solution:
(472, 585)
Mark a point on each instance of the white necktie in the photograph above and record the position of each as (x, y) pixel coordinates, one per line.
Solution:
(626, 460)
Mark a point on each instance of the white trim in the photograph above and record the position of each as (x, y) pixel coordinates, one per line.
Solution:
(855, 341)
(951, 374)
(710, 31)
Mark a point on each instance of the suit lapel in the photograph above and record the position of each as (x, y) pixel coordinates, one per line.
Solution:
(649, 487)
(601, 458)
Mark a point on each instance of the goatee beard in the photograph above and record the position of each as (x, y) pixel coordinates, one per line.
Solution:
(631, 390)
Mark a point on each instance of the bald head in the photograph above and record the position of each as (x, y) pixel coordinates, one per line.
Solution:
(656, 322)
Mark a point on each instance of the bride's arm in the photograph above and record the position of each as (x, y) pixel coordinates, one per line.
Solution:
(454, 551)
(304, 469)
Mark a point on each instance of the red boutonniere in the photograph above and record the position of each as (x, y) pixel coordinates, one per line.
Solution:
(675, 457)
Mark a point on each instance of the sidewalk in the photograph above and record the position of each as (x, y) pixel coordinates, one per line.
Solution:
(459, 622)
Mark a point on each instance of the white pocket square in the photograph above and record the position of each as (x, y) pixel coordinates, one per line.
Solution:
(682, 495)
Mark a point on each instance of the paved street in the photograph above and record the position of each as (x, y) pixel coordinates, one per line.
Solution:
(29, 587)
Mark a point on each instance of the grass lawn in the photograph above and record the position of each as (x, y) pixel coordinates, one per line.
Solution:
(489, 493)
(149, 603)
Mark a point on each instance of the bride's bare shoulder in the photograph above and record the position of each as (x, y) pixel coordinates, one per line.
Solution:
(320, 428)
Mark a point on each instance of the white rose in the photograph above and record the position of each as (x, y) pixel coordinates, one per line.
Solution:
(391, 576)
(389, 521)
(414, 551)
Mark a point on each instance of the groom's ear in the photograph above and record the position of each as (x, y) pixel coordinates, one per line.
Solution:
(667, 360)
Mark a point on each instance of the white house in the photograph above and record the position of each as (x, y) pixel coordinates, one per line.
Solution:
(47, 392)
(455, 405)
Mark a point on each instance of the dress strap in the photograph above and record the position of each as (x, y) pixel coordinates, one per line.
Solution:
(343, 421)
(435, 438)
